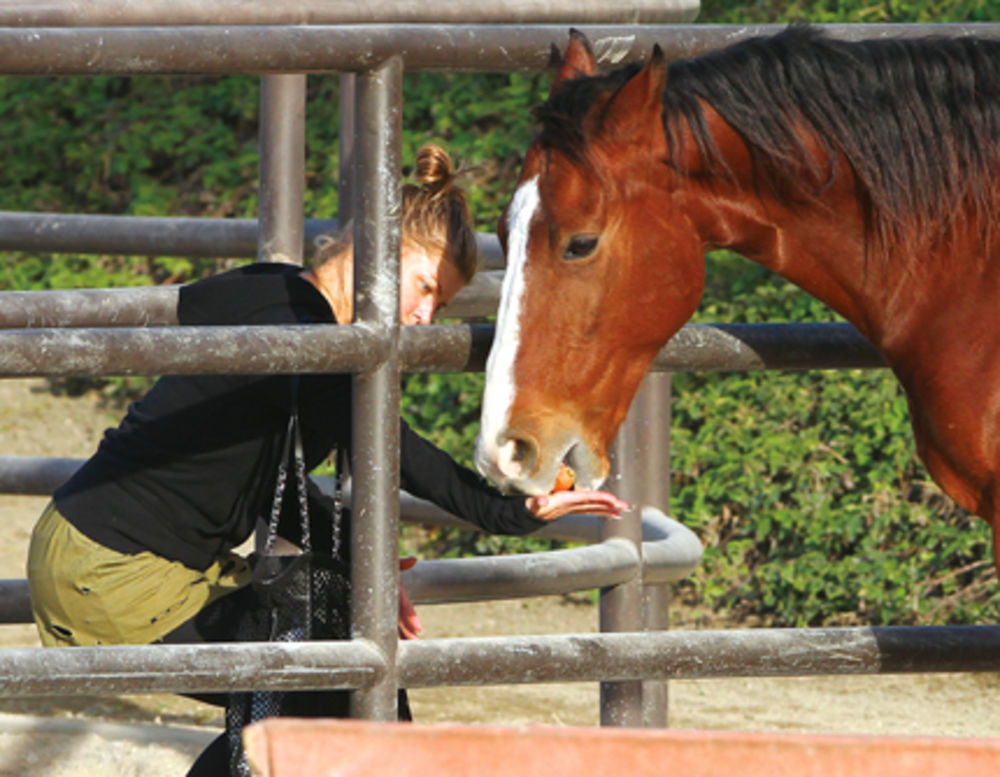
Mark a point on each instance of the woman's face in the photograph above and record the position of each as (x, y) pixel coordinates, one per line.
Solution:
(427, 282)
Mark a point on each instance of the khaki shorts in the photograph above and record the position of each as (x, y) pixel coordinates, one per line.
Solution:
(85, 594)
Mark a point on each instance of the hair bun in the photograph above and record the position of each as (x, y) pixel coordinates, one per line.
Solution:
(435, 170)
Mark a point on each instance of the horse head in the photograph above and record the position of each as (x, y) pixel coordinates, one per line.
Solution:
(601, 271)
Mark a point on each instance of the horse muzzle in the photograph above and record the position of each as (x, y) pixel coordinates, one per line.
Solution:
(521, 463)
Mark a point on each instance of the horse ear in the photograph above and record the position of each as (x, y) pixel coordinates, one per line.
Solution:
(578, 61)
(640, 96)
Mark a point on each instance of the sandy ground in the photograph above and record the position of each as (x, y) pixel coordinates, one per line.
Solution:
(160, 735)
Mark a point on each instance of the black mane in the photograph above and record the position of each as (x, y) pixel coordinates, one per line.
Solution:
(918, 120)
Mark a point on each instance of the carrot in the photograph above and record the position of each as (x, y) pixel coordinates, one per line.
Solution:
(565, 478)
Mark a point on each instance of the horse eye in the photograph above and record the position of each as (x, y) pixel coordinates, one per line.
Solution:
(580, 246)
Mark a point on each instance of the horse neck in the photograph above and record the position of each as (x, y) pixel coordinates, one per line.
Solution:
(823, 244)
(819, 246)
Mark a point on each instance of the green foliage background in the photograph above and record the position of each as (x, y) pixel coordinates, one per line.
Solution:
(803, 487)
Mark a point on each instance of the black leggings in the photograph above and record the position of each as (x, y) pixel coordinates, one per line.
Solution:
(218, 623)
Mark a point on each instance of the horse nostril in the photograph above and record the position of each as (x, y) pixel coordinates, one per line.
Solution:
(517, 457)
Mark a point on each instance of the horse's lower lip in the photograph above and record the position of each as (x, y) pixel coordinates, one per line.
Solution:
(577, 464)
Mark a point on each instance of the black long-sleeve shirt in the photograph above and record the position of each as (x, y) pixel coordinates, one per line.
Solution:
(192, 466)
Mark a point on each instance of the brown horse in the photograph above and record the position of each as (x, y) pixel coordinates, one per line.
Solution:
(866, 173)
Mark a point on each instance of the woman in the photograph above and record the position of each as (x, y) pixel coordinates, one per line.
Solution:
(140, 540)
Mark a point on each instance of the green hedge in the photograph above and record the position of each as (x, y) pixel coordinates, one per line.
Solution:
(803, 487)
(806, 490)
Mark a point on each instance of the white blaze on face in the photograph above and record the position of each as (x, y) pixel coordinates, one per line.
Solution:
(499, 393)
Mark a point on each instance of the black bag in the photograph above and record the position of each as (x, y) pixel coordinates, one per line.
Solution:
(298, 597)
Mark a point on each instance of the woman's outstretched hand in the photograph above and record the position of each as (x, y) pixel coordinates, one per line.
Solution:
(548, 507)
(409, 624)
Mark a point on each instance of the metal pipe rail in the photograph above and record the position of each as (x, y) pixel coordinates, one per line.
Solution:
(101, 13)
(140, 235)
(89, 308)
(213, 668)
(15, 602)
(184, 350)
(524, 574)
(276, 349)
(157, 305)
(670, 550)
(35, 475)
(491, 660)
(214, 50)
(676, 655)
(167, 236)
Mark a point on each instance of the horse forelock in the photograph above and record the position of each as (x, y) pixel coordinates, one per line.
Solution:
(565, 116)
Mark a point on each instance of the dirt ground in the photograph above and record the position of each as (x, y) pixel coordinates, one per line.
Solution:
(160, 735)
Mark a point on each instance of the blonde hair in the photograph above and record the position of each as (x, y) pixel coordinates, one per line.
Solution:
(435, 215)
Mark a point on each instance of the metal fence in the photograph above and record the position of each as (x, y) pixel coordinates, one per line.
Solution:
(122, 332)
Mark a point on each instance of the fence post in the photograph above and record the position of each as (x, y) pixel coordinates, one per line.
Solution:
(375, 446)
(621, 606)
(282, 167)
(280, 209)
(652, 469)
(640, 474)
(347, 173)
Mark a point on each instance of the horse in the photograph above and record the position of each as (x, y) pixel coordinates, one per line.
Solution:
(864, 172)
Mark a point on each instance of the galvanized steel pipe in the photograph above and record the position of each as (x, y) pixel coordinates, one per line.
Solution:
(212, 668)
(124, 307)
(346, 186)
(738, 347)
(15, 602)
(360, 47)
(282, 167)
(501, 660)
(167, 236)
(35, 475)
(643, 446)
(528, 574)
(157, 305)
(620, 606)
(188, 350)
(139, 235)
(375, 417)
(100, 13)
(670, 552)
(698, 654)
